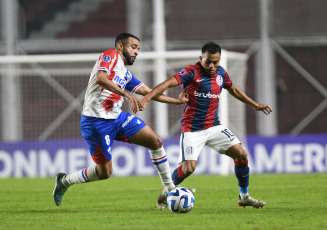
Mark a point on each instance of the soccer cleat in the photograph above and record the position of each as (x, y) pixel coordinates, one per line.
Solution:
(162, 199)
(249, 201)
(59, 189)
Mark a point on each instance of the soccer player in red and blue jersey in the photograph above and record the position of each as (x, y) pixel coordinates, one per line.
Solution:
(103, 121)
(203, 83)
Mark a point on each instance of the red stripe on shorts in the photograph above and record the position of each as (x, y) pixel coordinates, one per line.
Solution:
(98, 156)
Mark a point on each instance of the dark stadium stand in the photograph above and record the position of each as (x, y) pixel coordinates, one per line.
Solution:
(100, 23)
(38, 12)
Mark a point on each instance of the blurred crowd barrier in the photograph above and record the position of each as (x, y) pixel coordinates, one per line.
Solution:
(280, 154)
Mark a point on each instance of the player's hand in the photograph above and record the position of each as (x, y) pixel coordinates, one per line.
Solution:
(134, 102)
(183, 97)
(143, 104)
(264, 108)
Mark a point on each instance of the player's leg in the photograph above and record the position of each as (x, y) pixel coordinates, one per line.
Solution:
(135, 131)
(224, 141)
(148, 138)
(90, 174)
(183, 171)
(102, 170)
(98, 134)
(242, 172)
(191, 145)
(241, 168)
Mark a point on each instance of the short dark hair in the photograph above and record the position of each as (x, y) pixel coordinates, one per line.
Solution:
(211, 47)
(123, 37)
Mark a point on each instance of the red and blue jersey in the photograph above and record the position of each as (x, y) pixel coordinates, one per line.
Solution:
(201, 111)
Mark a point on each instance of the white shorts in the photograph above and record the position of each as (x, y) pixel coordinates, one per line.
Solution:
(219, 138)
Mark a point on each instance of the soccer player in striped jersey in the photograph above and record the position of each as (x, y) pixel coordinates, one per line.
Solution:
(103, 121)
(203, 83)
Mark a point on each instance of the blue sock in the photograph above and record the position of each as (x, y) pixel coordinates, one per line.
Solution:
(242, 172)
(178, 176)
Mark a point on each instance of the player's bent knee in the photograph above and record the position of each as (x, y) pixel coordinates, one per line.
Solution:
(243, 156)
(104, 175)
(188, 170)
(238, 153)
(157, 143)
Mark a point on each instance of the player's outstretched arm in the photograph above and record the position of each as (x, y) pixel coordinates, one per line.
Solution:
(240, 95)
(156, 94)
(183, 97)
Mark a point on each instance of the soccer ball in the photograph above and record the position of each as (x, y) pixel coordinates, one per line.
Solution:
(180, 200)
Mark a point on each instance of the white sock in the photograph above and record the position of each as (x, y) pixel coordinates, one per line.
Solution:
(86, 175)
(244, 195)
(160, 162)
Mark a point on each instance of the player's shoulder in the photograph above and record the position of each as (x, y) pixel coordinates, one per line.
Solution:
(110, 54)
(192, 68)
(196, 66)
(185, 71)
(221, 71)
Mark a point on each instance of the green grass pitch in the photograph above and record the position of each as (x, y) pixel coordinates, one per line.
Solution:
(294, 201)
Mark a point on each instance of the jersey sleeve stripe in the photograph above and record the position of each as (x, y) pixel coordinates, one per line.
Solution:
(178, 78)
(137, 87)
(104, 69)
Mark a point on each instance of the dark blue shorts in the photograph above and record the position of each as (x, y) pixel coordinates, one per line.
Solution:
(100, 133)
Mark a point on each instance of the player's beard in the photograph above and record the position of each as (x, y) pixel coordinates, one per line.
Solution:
(127, 57)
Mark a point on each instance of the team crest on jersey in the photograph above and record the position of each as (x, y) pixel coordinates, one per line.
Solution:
(106, 59)
(219, 80)
(182, 72)
(128, 76)
(189, 149)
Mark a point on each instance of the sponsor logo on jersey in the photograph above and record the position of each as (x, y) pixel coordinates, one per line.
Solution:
(182, 72)
(205, 95)
(106, 59)
(129, 118)
(219, 80)
(121, 82)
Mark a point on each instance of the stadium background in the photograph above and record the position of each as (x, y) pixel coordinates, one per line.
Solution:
(40, 116)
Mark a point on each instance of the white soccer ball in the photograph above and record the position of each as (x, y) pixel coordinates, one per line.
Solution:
(180, 200)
